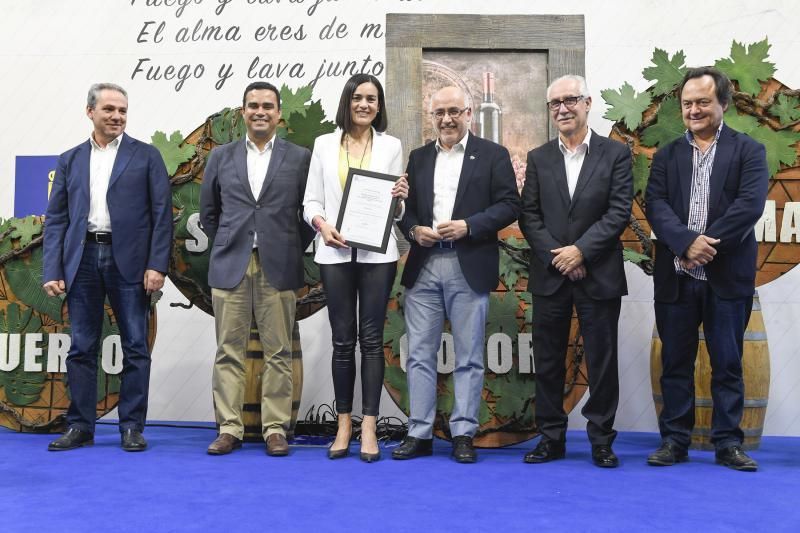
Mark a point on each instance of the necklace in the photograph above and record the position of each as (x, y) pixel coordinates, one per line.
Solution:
(363, 154)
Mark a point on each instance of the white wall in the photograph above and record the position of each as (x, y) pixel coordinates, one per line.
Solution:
(52, 50)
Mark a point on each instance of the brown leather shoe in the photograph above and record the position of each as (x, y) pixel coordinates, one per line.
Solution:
(224, 444)
(277, 445)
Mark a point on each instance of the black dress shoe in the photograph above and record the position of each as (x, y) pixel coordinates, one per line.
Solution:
(133, 441)
(734, 457)
(463, 451)
(547, 450)
(73, 438)
(604, 457)
(667, 454)
(412, 447)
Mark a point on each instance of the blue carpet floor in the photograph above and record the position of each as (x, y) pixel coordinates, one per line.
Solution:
(175, 486)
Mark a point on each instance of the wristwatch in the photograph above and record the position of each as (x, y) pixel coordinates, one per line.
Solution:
(411, 235)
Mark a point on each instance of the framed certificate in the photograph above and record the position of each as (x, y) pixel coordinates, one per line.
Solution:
(367, 210)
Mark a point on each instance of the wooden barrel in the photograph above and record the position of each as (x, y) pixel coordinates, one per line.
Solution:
(755, 364)
(254, 362)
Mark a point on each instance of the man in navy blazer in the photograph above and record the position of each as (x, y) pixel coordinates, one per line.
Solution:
(575, 204)
(250, 206)
(462, 192)
(108, 232)
(705, 193)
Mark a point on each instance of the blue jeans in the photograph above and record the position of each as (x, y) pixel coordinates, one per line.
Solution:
(724, 322)
(97, 278)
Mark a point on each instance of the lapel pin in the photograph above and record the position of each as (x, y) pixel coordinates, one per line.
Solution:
(472, 157)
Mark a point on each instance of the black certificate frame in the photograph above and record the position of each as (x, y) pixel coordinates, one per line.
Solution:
(387, 227)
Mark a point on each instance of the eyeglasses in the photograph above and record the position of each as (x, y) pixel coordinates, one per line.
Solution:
(453, 112)
(569, 101)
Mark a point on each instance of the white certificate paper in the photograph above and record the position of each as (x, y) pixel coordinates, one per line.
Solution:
(367, 207)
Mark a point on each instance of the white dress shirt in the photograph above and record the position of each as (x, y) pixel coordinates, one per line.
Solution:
(101, 163)
(257, 165)
(573, 160)
(446, 176)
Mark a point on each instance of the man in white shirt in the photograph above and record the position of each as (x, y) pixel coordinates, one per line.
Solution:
(108, 233)
(575, 204)
(250, 205)
(462, 192)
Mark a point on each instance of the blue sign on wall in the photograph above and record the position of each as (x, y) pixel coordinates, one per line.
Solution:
(33, 180)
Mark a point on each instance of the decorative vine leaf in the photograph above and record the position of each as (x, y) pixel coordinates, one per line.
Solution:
(26, 229)
(634, 257)
(171, 150)
(780, 146)
(748, 65)
(527, 299)
(669, 124)
(186, 198)
(311, 274)
(502, 316)
(626, 105)
(739, 122)
(485, 414)
(227, 125)
(25, 280)
(394, 329)
(668, 72)
(396, 378)
(294, 102)
(786, 108)
(304, 129)
(510, 270)
(641, 172)
(514, 392)
(21, 387)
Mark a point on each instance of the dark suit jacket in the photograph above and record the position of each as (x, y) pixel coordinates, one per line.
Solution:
(592, 220)
(738, 190)
(486, 198)
(231, 215)
(139, 202)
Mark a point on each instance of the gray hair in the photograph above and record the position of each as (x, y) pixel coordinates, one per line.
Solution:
(467, 98)
(582, 86)
(94, 92)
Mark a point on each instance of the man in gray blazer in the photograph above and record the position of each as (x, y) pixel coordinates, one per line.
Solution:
(575, 204)
(250, 205)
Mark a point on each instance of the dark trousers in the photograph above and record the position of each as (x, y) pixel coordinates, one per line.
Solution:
(724, 322)
(97, 278)
(598, 321)
(367, 284)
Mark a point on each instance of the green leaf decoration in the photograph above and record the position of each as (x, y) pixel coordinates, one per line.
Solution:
(786, 108)
(445, 399)
(394, 329)
(21, 388)
(227, 125)
(514, 393)
(485, 414)
(527, 299)
(173, 152)
(503, 314)
(669, 124)
(304, 129)
(634, 256)
(311, 275)
(396, 378)
(25, 280)
(294, 102)
(186, 198)
(626, 105)
(780, 146)
(26, 229)
(397, 287)
(641, 172)
(668, 72)
(741, 123)
(748, 65)
(510, 270)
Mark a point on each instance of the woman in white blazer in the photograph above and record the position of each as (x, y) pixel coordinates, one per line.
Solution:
(350, 275)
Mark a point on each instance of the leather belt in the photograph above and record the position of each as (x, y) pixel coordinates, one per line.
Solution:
(100, 237)
(447, 245)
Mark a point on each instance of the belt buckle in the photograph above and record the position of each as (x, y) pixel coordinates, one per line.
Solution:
(102, 237)
(446, 245)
